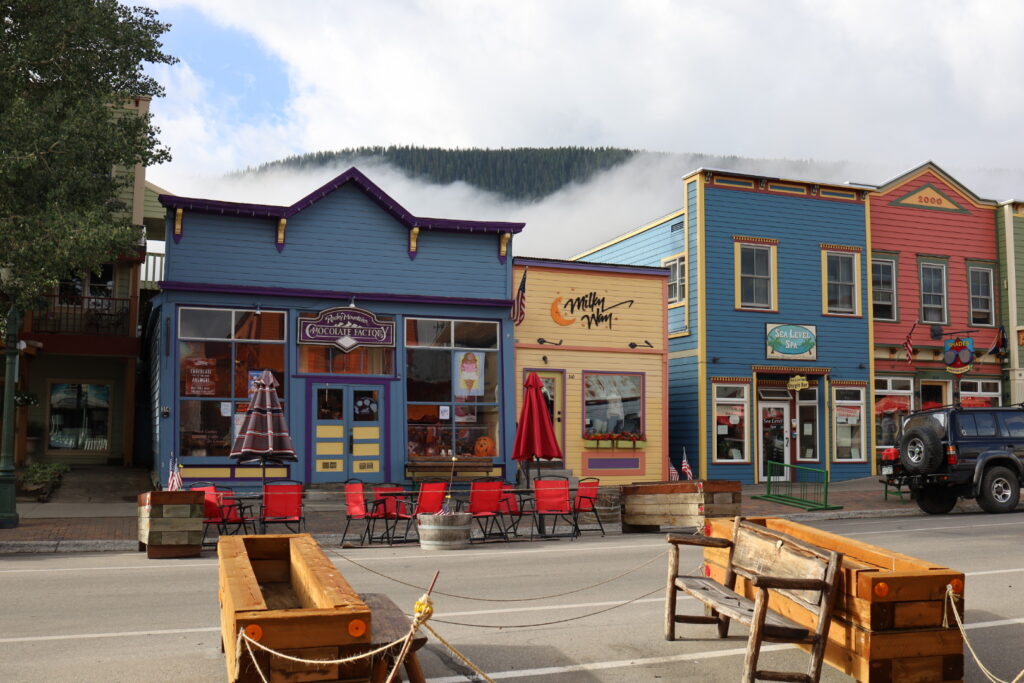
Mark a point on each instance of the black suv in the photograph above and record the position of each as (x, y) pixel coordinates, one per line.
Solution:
(955, 452)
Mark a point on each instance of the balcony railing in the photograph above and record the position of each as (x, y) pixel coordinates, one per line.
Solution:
(69, 314)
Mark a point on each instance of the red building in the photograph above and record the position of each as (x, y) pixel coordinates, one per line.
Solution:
(935, 279)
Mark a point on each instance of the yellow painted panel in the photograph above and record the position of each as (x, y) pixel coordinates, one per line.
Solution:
(366, 465)
(330, 465)
(256, 472)
(330, 448)
(330, 431)
(366, 449)
(206, 472)
(366, 432)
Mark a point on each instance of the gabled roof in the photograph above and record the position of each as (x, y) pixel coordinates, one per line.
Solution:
(937, 170)
(354, 176)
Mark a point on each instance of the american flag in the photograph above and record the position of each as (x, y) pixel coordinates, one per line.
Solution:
(909, 345)
(673, 473)
(685, 467)
(174, 476)
(519, 303)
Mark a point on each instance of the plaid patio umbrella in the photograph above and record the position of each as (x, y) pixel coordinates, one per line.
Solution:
(263, 436)
(535, 434)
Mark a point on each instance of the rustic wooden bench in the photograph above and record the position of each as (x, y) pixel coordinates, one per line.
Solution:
(770, 561)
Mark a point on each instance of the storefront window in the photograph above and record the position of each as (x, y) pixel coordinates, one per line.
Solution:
(730, 423)
(894, 400)
(807, 439)
(980, 393)
(79, 417)
(613, 404)
(452, 388)
(221, 353)
(849, 425)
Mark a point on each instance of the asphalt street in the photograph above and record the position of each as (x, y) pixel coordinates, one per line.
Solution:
(121, 617)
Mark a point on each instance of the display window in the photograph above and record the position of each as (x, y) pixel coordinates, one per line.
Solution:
(79, 417)
(613, 406)
(849, 425)
(894, 401)
(980, 393)
(730, 423)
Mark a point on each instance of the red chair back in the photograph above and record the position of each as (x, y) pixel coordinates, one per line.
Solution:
(509, 504)
(355, 500)
(390, 505)
(211, 504)
(229, 510)
(552, 496)
(282, 500)
(431, 497)
(485, 497)
(586, 494)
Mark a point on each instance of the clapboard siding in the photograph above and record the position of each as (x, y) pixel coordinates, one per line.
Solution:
(684, 430)
(344, 242)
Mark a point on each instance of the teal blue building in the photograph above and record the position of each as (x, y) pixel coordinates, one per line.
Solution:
(770, 349)
(389, 335)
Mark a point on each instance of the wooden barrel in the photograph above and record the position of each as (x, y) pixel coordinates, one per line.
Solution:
(444, 532)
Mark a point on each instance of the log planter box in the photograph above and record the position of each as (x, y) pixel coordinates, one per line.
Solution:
(649, 506)
(171, 523)
(288, 596)
(887, 621)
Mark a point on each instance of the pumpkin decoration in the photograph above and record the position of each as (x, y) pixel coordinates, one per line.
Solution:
(484, 447)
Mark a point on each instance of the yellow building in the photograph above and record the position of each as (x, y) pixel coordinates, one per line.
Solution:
(596, 336)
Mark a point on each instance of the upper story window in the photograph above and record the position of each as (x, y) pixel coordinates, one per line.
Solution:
(883, 289)
(981, 296)
(99, 284)
(841, 283)
(676, 279)
(933, 293)
(756, 274)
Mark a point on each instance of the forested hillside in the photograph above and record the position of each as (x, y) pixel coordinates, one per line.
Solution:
(524, 173)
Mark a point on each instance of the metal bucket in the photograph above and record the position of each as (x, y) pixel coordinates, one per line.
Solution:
(444, 532)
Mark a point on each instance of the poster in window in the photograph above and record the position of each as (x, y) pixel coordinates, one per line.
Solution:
(200, 376)
(469, 373)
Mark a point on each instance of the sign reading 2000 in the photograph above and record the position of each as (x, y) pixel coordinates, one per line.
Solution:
(791, 342)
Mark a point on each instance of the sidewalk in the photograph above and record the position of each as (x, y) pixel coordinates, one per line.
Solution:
(95, 509)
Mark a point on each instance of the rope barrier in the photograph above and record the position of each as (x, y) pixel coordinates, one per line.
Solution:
(462, 657)
(479, 599)
(951, 598)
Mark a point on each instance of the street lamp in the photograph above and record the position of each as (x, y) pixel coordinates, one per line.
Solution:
(8, 504)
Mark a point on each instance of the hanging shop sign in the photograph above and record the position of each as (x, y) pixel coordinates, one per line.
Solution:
(958, 355)
(791, 342)
(347, 328)
(797, 383)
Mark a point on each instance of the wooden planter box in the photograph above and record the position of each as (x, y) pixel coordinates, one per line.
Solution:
(887, 622)
(650, 506)
(171, 523)
(289, 596)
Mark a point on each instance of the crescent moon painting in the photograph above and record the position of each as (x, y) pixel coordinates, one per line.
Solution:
(557, 316)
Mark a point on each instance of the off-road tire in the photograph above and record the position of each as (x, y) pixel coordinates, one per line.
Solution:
(935, 500)
(1000, 490)
(921, 451)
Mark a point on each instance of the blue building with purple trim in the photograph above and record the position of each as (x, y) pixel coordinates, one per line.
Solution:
(389, 335)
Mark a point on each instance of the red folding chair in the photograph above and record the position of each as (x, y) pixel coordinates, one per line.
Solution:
(484, 504)
(429, 501)
(214, 513)
(235, 512)
(551, 500)
(282, 504)
(511, 508)
(355, 508)
(586, 501)
(387, 500)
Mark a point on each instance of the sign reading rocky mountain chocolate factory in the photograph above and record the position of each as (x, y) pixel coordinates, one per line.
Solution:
(347, 328)
(791, 342)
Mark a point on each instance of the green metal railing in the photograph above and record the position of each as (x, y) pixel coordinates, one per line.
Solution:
(811, 493)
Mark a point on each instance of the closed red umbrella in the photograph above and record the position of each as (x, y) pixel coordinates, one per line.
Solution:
(263, 436)
(535, 435)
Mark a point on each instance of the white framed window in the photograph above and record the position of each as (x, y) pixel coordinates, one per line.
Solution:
(840, 279)
(982, 310)
(755, 276)
(676, 278)
(807, 425)
(933, 293)
(93, 285)
(883, 289)
(730, 425)
(980, 393)
(894, 400)
(849, 424)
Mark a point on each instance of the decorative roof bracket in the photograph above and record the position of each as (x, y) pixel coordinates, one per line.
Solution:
(504, 240)
(414, 235)
(178, 216)
(281, 224)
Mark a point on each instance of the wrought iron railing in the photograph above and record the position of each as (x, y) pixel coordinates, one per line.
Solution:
(72, 314)
(797, 485)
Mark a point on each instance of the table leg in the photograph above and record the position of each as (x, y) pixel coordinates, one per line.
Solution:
(413, 669)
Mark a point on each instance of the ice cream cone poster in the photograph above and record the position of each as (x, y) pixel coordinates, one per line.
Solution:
(469, 371)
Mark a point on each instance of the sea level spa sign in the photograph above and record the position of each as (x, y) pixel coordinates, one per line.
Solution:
(347, 328)
(791, 342)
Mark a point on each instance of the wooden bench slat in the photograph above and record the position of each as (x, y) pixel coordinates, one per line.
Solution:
(735, 606)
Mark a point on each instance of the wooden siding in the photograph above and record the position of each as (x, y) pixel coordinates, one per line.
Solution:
(344, 242)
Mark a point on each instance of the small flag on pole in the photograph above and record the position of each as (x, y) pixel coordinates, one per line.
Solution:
(519, 303)
(673, 473)
(999, 345)
(174, 476)
(909, 345)
(685, 467)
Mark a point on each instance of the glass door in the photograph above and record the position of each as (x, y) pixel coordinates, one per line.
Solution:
(554, 397)
(774, 443)
(347, 425)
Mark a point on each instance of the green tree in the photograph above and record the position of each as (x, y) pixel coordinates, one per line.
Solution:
(67, 143)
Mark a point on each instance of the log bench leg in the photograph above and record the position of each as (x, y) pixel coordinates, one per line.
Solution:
(756, 636)
(670, 596)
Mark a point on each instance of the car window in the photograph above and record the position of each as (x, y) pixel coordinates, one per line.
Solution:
(967, 425)
(986, 423)
(1013, 424)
